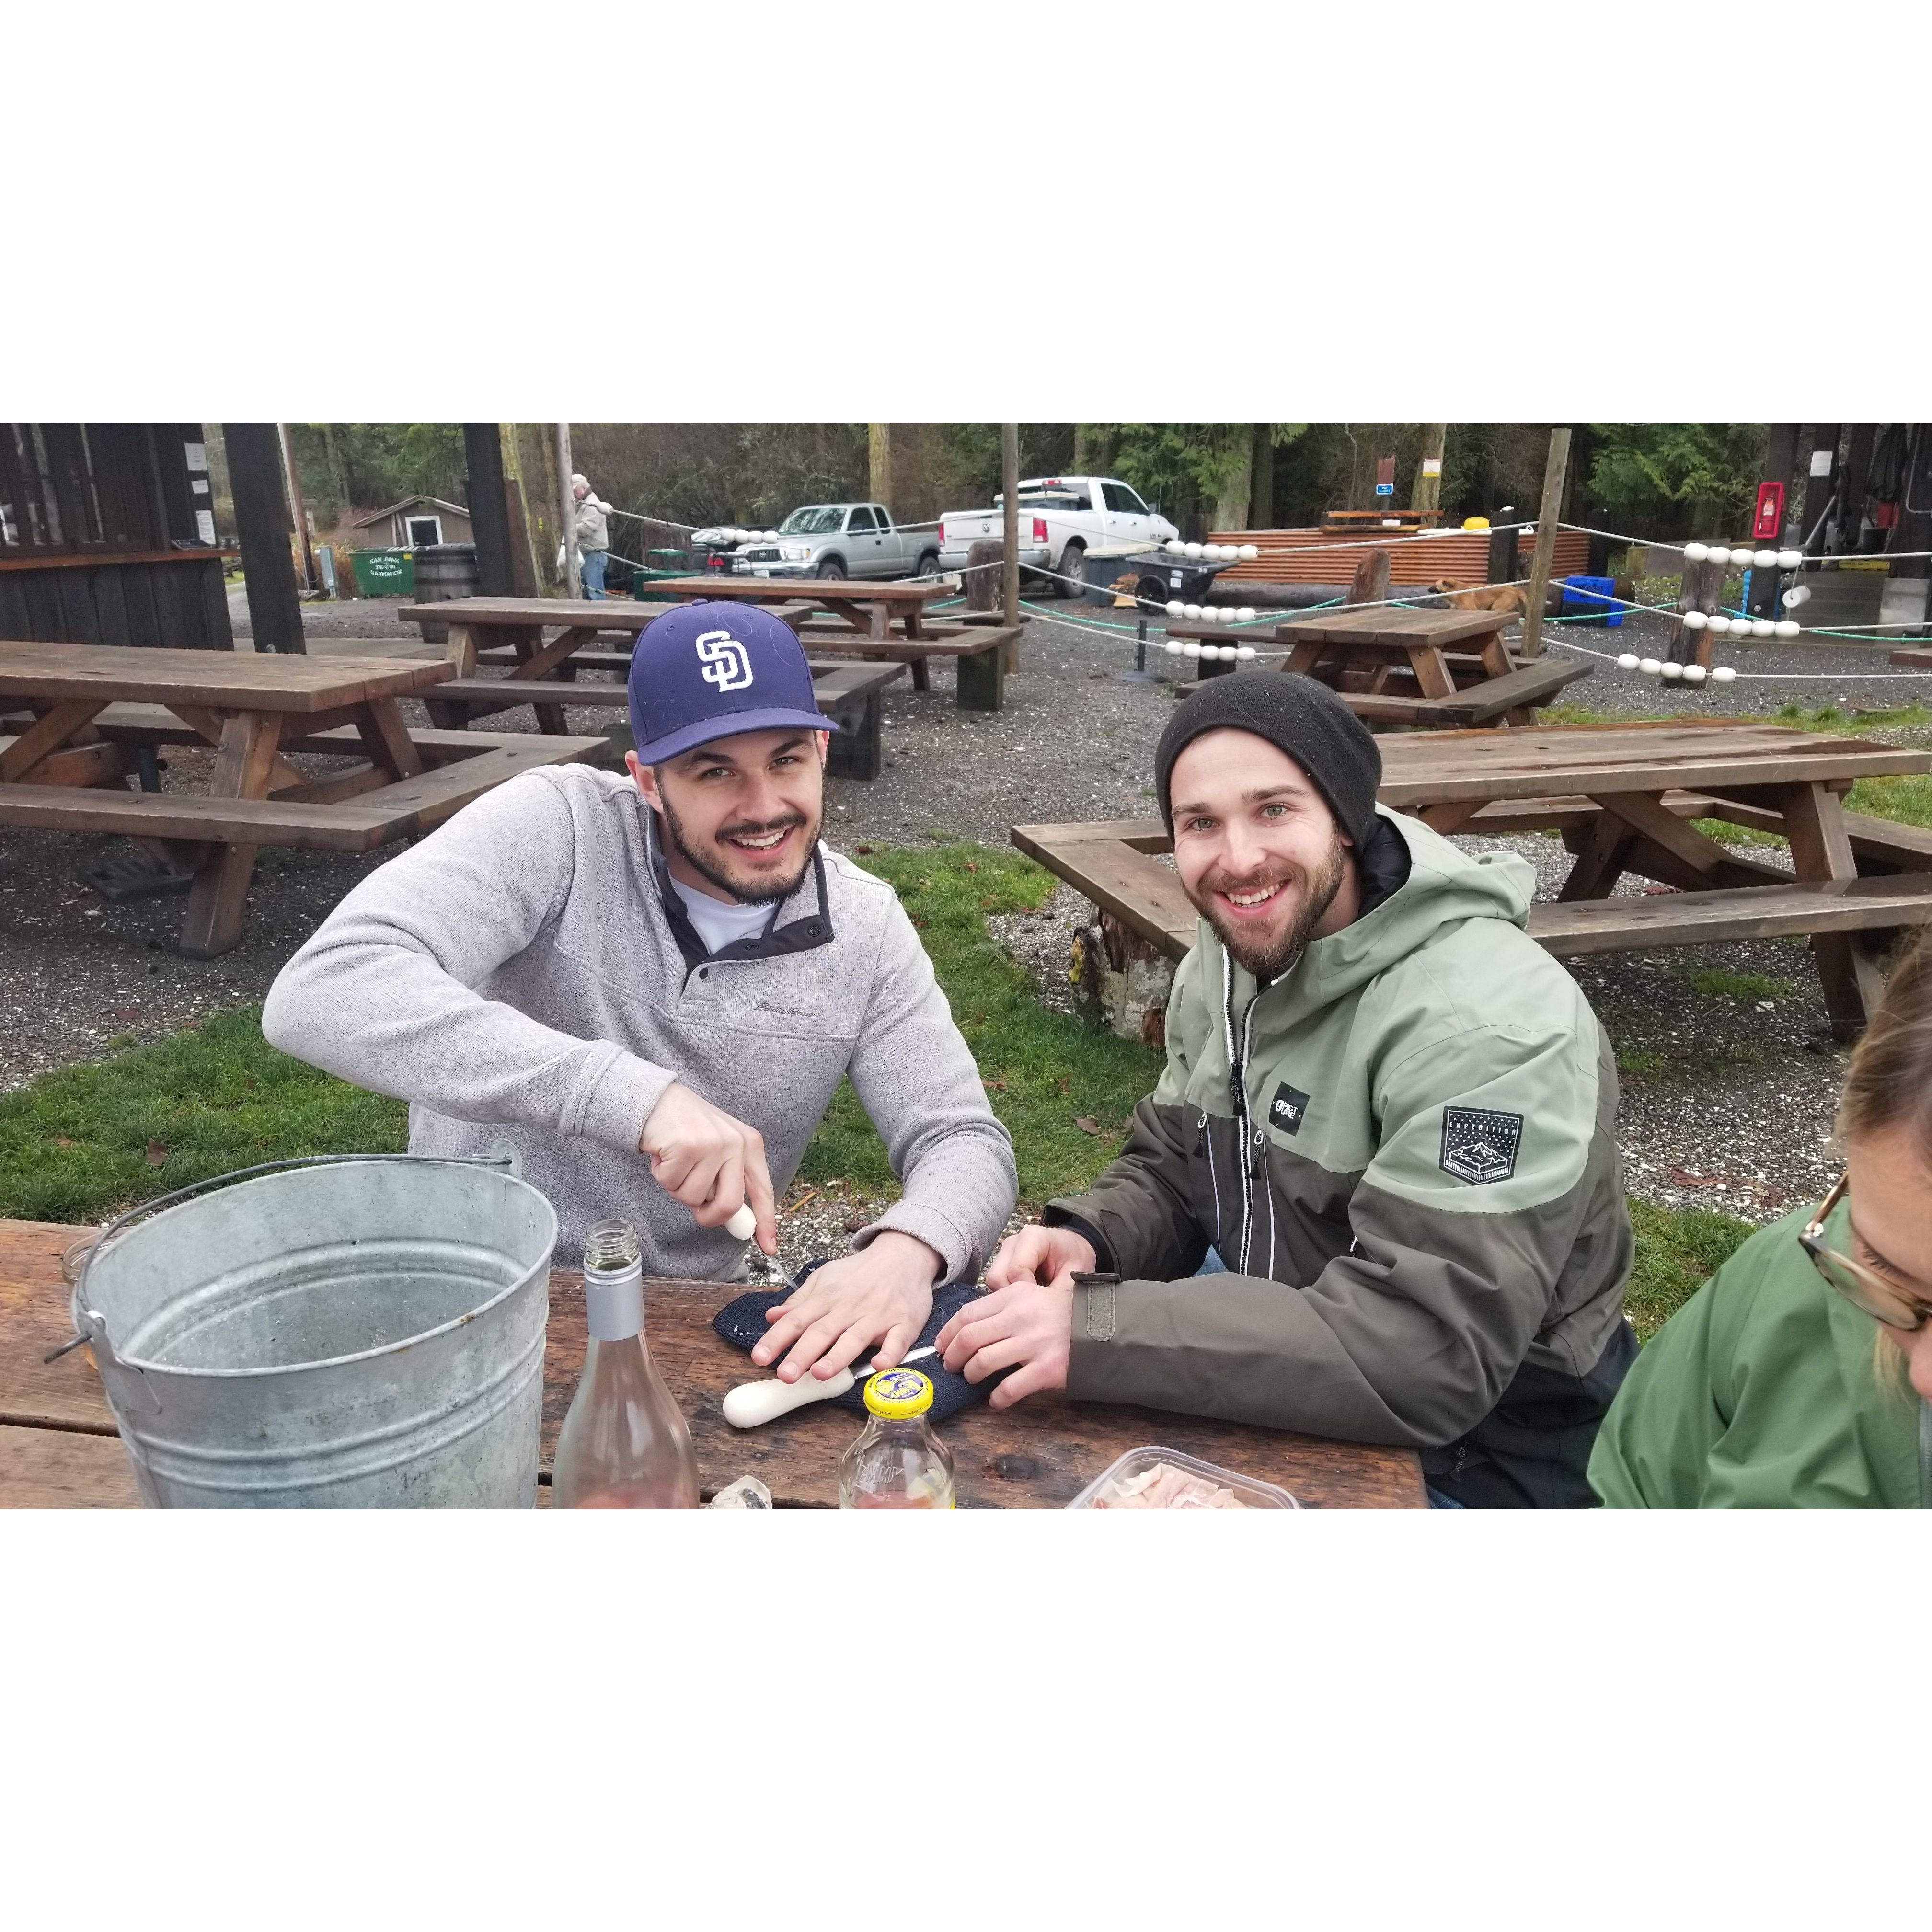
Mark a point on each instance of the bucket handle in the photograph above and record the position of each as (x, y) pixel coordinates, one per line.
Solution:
(90, 1325)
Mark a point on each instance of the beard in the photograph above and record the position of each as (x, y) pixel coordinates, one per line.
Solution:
(713, 860)
(1268, 955)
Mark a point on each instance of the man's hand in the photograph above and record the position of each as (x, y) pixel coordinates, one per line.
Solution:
(713, 1163)
(882, 1295)
(1026, 1327)
(1053, 1255)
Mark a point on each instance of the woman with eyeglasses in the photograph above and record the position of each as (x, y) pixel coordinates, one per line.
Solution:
(1799, 1376)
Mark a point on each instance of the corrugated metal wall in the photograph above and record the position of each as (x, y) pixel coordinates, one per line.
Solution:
(1310, 557)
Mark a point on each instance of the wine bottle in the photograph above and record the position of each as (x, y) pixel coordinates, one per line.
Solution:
(623, 1445)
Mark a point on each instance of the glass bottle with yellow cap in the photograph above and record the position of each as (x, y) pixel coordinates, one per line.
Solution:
(897, 1462)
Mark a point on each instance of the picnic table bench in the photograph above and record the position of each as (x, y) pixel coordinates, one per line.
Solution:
(87, 712)
(1623, 797)
(58, 1448)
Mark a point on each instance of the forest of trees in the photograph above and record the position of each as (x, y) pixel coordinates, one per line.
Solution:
(1657, 480)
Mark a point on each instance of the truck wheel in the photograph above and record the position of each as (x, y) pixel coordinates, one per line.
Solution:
(928, 565)
(832, 566)
(1071, 559)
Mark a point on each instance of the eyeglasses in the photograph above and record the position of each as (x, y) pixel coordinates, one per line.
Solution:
(1856, 1283)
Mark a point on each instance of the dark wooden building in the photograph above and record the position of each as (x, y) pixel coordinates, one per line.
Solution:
(107, 536)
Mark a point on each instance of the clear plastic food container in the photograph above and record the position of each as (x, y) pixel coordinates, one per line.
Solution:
(1250, 1491)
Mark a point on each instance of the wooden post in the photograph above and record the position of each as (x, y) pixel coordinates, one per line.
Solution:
(1819, 484)
(1428, 487)
(573, 581)
(1009, 483)
(526, 576)
(489, 509)
(1698, 591)
(297, 512)
(262, 526)
(1261, 495)
(879, 462)
(1856, 473)
(1546, 515)
(1371, 582)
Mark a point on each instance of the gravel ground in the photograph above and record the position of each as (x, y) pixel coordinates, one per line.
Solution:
(1727, 1097)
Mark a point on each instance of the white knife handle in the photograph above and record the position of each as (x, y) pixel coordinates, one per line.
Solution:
(751, 1403)
(743, 1225)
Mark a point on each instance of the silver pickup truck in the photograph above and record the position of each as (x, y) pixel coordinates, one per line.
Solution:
(840, 540)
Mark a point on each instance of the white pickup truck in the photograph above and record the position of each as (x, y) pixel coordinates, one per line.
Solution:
(839, 540)
(1061, 518)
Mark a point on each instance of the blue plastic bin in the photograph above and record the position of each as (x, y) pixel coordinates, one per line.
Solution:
(1592, 597)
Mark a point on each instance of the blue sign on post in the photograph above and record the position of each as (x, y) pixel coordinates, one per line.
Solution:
(1384, 489)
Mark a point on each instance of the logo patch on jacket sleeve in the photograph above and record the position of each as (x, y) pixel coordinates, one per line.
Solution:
(1287, 1109)
(1480, 1147)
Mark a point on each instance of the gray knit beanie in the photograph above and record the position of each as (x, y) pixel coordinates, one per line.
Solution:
(1302, 718)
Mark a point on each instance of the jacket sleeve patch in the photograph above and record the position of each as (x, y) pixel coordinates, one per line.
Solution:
(1478, 1146)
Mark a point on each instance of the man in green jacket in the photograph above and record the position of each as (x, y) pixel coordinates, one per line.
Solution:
(1386, 1110)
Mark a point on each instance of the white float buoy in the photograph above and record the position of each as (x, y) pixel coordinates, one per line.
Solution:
(1246, 614)
(1175, 547)
(1789, 559)
(1694, 674)
(1194, 549)
(1249, 552)
(1799, 594)
(1722, 673)
(1173, 647)
(1718, 554)
(1695, 620)
(1761, 627)
(1787, 627)
(1764, 560)
(1673, 671)
(1245, 653)
(1190, 649)
(1719, 624)
(1628, 661)
(1695, 553)
(1176, 609)
(1650, 667)
(1192, 612)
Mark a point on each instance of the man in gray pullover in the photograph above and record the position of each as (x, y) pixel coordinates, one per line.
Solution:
(669, 965)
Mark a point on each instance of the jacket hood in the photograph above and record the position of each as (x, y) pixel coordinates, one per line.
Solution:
(1445, 886)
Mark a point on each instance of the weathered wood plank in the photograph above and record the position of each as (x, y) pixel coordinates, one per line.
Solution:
(227, 680)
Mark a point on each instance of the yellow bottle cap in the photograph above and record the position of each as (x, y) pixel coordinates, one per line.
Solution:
(896, 1393)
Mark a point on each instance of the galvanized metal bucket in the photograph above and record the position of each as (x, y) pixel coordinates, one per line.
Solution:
(359, 1331)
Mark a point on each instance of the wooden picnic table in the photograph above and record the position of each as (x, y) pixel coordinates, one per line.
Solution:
(510, 630)
(870, 609)
(86, 711)
(1622, 797)
(1405, 666)
(59, 1448)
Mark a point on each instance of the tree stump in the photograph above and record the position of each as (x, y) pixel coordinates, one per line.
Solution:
(1372, 579)
(982, 586)
(1123, 981)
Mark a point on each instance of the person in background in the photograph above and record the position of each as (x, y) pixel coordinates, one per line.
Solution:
(1798, 1377)
(591, 534)
(652, 983)
(1385, 1107)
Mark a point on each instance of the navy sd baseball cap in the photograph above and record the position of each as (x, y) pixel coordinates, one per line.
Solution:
(709, 669)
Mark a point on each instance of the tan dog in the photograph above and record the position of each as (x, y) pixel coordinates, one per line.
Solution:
(1512, 599)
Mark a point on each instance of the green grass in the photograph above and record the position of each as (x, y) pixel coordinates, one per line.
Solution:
(1045, 1071)
(87, 1140)
(90, 1140)
(1677, 1248)
(1719, 982)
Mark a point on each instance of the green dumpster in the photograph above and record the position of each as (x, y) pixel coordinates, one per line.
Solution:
(385, 573)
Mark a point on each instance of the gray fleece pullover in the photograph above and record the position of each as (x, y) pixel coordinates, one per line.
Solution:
(524, 971)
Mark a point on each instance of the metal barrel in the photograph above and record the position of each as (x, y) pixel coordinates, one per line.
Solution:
(444, 571)
(365, 1332)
